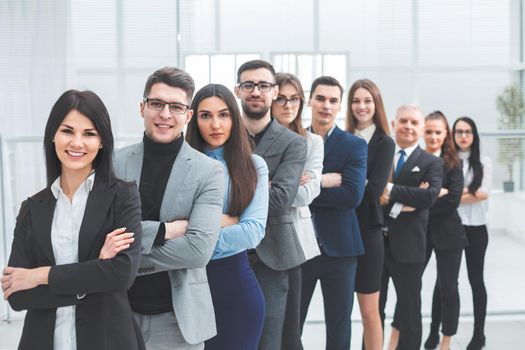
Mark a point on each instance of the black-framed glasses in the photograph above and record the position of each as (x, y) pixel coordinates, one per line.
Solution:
(281, 101)
(460, 132)
(263, 86)
(158, 105)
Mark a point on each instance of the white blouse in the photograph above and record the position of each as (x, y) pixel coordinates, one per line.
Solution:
(64, 238)
(475, 214)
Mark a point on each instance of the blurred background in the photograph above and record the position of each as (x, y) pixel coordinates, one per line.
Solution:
(457, 56)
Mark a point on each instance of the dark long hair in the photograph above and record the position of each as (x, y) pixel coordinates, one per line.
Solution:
(474, 158)
(237, 149)
(379, 115)
(90, 105)
(282, 79)
(448, 149)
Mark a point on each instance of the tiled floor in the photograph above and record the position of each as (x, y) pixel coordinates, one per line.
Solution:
(505, 279)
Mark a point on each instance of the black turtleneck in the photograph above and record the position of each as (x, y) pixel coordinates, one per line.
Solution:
(151, 294)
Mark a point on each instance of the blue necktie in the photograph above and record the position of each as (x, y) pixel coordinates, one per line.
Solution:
(400, 162)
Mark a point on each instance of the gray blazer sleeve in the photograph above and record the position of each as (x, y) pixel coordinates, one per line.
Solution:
(285, 181)
(195, 248)
(314, 167)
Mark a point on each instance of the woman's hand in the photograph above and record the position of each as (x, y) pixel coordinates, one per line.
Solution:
(229, 220)
(116, 241)
(176, 229)
(15, 279)
(329, 180)
(443, 192)
(407, 209)
(305, 178)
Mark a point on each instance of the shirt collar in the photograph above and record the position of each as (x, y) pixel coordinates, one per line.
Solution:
(366, 133)
(217, 153)
(88, 185)
(327, 134)
(408, 150)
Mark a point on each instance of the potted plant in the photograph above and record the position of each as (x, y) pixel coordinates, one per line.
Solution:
(511, 107)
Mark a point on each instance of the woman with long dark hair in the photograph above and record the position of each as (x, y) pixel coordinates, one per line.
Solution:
(217, 130)
(287, 108)
(445, 233)
(477, 172)
(366, 118)
(72, 286)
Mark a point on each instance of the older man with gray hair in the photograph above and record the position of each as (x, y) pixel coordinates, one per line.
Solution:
(415, 186)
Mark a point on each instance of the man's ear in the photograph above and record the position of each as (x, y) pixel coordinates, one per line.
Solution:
(141, 108)
(189, 115)
(237, 91)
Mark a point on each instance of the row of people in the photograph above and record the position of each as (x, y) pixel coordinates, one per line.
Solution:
(274, 214)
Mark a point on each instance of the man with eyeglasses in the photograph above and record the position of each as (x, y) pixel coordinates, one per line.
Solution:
(181, 192)
(334, 215)
(285, 154)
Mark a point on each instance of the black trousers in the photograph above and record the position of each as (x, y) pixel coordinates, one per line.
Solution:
(292, 325)
(478, 239)
(407, 283)
(337, 276)
(445, 300)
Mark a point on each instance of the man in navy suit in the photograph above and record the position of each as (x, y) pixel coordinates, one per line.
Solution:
(414, 189)
(334, 216)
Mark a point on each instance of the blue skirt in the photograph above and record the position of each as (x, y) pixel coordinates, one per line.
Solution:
(238, 302)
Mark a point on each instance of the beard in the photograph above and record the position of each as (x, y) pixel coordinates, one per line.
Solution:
(254, 113)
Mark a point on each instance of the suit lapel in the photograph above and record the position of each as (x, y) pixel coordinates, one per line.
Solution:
(134, 164)
(332, 140)
(180, 169)
(97, 207)
(42, 211)
(409, 164)
(269, 138)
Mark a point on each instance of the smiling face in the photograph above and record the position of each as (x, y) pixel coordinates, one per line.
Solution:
(287, 113)
(77, 143)
(435, 134)
(408, 127)
(463, 135)
(214, 121)
(325, 102)
(363, 108)
(163, 126)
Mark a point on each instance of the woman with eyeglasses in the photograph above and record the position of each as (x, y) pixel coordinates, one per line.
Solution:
(445, 233)
(366, 118)
(217, 130)
(287, 108)
(74, 287)
(477, 172)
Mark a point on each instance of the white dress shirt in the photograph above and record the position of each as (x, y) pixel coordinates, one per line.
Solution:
(64, 238)
(397, 207)
(366, 133)
(475, 214)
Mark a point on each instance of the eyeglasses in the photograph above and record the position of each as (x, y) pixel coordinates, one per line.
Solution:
(281, 101)
(460, 132)
(174, 107)
(249, 86)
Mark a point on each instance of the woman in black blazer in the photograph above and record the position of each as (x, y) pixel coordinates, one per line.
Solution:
(366, 118)
(74, 294)
(445, 235)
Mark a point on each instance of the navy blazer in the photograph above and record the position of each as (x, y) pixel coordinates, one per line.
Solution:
(333, 211)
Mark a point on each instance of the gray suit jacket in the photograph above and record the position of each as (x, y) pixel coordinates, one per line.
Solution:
(285, 154)
(194, 192)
